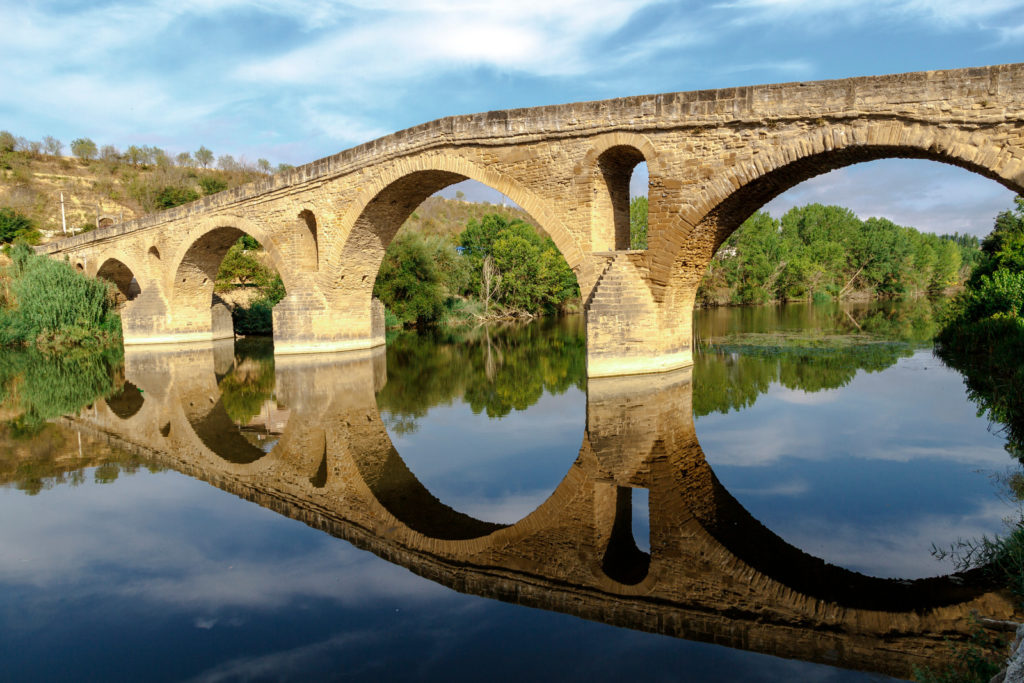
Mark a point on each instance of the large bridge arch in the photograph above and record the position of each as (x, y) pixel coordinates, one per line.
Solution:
(734, 195)
(372, 219)
(193, 270)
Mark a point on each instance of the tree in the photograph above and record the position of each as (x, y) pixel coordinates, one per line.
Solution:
(204, 157)
(409, 282)
(109, 153)
(184, 159)
(281, 168)
(239, 267)
(264, 166)
(84, 149)
(136, 155)
(14, 225)
(226, 162)
(53, 146)
(7, 141)
(638, 223)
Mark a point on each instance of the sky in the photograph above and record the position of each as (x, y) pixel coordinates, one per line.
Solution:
(296, 81)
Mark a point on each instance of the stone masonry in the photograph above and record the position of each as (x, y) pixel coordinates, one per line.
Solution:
(713, 157)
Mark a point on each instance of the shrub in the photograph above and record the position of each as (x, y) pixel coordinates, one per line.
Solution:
(56, 306)
(211, 184)
(172, 196)
(15, 226)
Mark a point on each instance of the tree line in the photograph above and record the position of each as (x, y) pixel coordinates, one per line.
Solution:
(824, 252)
(135, 155)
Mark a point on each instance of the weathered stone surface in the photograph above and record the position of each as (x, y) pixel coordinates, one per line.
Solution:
(713, 158)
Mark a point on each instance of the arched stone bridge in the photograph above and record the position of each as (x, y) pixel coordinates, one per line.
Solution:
(714, 573)
(713, 157)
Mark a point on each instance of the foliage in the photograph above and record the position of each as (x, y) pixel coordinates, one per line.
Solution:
(84, 149)
(983, 329)
(495, 370)
(174, 196)
(203, 156)
(827, 250)
(531, 274)
(56, 306)
(638, 223)
(15, 226)
(211, 184)
(43, 386)
(410, 283)
(247, 387)
(240, 267)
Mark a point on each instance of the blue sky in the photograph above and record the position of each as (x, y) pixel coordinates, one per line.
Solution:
(296, 81)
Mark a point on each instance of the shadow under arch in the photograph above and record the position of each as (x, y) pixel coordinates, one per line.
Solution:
(746, 187)
(116, 271)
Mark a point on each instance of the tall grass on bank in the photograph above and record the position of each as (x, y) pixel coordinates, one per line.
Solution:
(47, 303)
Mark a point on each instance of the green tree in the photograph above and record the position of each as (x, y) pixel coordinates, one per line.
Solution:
(204, 157)
(84, 149)
(239, 268)
(409, 282)
(14, 225)
(638, 223)
(7, 141)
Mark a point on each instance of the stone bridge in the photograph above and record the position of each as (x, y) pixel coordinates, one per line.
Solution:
(714, 573)
(713, 158)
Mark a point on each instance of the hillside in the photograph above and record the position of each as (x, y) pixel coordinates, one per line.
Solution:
(101, 191)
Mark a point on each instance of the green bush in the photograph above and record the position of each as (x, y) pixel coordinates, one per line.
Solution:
(172, 196)
(211, 184)
(54, 305)
(16, 226)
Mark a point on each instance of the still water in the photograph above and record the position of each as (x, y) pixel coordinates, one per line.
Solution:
(465, 506)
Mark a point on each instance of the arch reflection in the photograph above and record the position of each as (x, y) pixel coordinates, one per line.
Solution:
(714, 573)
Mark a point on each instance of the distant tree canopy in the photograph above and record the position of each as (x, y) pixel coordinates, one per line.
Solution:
(502, 263)
(828, 251)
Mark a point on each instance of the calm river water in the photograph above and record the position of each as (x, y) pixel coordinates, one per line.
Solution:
(464, 506)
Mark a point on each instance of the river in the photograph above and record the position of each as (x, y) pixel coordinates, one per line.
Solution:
(465, 505)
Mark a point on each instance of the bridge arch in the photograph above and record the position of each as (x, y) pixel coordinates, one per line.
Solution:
(122, 276)
(733, 196)
(194, 270)
(391, 196)
(609, 166)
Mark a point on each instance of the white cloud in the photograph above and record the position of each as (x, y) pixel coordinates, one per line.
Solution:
(402, 42)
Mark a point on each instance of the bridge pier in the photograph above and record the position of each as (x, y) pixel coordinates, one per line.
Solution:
(305, 323)
(628, 331)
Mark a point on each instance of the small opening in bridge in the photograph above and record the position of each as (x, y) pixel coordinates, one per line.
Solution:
(638, 203)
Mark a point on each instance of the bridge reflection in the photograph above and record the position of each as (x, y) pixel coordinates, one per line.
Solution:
(713, 573)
